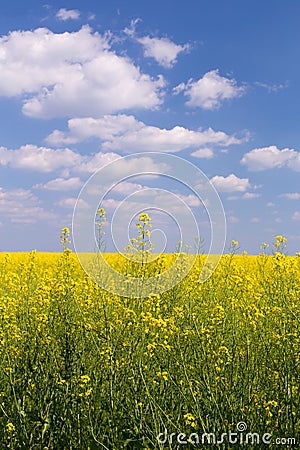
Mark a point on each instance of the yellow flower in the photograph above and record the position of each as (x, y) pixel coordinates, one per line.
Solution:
(85, 379)
(164, 375)
(10, 427)
(280, 238)
(190, 420)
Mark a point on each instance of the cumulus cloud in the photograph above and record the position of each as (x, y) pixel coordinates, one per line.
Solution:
(231, 183)
(91, 163)
(149, 138)
(245, 196)
(106, 128)
(72, 74)
(40, 159)
(71, 202)
(205, 152)
(67, 202)
(271, 157)
(43, 159)
(127, 188)
(209, 91)
(61, 184)
(22, 206)
(68, 14)
(250, 195)
(167, 203)
(126, 134)
(121, 189)
(66, 161)
(191, 200)
(163, 50)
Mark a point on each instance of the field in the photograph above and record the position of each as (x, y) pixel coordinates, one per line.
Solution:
(85, 369)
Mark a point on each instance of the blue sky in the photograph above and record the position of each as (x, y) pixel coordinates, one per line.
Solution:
(83, 83)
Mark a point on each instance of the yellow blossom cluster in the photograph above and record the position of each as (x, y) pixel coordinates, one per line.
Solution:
(84, 368)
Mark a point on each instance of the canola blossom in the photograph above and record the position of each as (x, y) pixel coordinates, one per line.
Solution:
(82, 368)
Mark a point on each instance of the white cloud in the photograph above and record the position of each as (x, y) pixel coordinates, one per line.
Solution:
(139, 165)
(67, 202)
(126, 134)
(61, 184)
(149, 138)
(231, 183)
(210, 90)
(112, 204)
(106, 128)
(290, 196)
(43, 159)
(163, 50)
(205, 152)
(233, 219)
(40, 159)
(71, 202)
(250, 195)
(190, 200)
(67, 14)
(296, 216)
(245, 196)
(271, 157)
(272, 87)
(255, 220)
(179, 88)
(130, 31)
(122, 188)
(72, 74)
(162, 200)
(270, 204)
(70, 163)
(90, 163)
(22, 206)
(127, 188)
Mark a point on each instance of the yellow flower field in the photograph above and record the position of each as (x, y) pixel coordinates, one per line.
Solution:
(85, 369)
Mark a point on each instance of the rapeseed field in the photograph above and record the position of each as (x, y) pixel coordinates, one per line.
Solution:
(82, 368)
